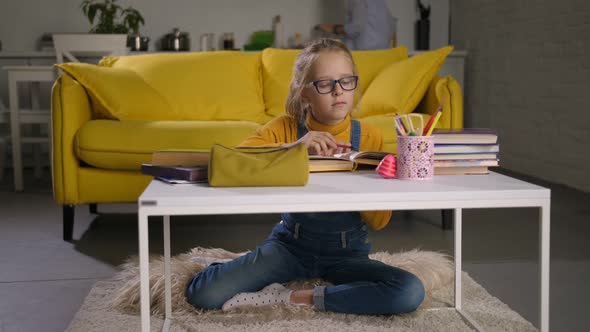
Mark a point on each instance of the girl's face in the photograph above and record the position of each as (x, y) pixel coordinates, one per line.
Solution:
(330, 108)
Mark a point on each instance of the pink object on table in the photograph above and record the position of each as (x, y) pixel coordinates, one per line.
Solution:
(386, 167)
(415, 155)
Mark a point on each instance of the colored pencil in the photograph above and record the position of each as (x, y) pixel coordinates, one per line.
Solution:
(432, 118)
(438, 115)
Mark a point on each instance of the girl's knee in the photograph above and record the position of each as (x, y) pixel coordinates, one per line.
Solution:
(414, 292)
(205, 296)
(408, 295)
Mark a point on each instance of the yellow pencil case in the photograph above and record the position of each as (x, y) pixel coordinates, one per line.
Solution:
(258, 167)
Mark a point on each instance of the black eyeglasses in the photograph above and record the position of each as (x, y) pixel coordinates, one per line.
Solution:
(347, 83)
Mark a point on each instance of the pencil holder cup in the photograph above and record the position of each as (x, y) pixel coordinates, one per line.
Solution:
(415, 155)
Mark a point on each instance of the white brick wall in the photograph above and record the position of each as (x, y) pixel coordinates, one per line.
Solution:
(528, 75)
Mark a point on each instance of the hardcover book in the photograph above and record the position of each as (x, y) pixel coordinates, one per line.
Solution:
(465, 163)
(186, 173)
(465, 148)
(465, 136)
(181, 157)
(461, 170)
(176, 181)
(465, 156)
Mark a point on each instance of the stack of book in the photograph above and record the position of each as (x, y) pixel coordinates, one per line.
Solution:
(178, 166)
(465, 151)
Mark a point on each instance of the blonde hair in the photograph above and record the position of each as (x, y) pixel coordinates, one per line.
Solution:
(295, 107)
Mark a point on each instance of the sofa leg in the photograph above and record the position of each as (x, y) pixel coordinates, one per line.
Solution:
(68, 222)
(447, 219)
(93, 208)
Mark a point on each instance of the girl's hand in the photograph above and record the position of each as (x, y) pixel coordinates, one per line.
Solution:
(320, 143)
(343, 147)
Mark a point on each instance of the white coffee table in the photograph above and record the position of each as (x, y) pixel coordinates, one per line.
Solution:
(345, 191)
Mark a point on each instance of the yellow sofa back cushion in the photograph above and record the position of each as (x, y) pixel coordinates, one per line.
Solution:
(277, 70)
(187, 86)
(370, 63)
(399, 87)
(119, 93)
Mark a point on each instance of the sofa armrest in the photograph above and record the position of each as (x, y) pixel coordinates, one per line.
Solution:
(70, 109)
(449, 89)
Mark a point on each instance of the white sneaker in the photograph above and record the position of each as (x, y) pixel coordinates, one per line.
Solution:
(269, 295)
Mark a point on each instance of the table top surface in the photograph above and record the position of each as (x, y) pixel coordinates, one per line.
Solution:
(339, 189)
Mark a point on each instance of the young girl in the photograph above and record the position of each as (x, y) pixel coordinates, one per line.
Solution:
(332, 246)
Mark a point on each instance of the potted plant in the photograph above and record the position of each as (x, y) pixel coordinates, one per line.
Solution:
(112, 18)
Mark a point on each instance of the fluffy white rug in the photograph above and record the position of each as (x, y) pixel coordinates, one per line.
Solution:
(114, 305)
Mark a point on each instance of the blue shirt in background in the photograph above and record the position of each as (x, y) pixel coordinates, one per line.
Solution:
(369, 25)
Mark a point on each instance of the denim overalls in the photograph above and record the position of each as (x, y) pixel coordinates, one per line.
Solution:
(328, 245)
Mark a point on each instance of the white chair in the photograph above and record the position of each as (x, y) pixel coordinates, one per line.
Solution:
(88, 44)
(66, 45)
(19, 116)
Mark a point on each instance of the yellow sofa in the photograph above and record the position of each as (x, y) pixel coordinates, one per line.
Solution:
(107, 119)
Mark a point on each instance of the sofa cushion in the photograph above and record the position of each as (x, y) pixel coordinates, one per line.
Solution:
(125, 145)
(400, 87)
(277, 70)
(193, 86)
(119, 93)
(370, 63)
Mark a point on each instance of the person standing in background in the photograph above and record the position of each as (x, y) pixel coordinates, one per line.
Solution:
(369, 26)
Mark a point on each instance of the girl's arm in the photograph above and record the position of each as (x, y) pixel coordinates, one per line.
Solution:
(372, 140)
(282, 131)
(376, 219)
(277, 132)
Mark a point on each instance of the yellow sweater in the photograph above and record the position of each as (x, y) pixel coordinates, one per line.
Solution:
(283, 129)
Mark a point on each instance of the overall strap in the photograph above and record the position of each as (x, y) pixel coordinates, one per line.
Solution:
(355, 133)
(301, 129)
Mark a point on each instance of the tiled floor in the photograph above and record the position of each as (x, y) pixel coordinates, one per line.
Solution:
(43, 280)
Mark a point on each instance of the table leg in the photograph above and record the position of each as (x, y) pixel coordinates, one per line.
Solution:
(544, 230)
(458, 258)
(168, 288)
(144, 272)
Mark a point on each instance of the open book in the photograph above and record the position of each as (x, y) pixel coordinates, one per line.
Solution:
(345, 161)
